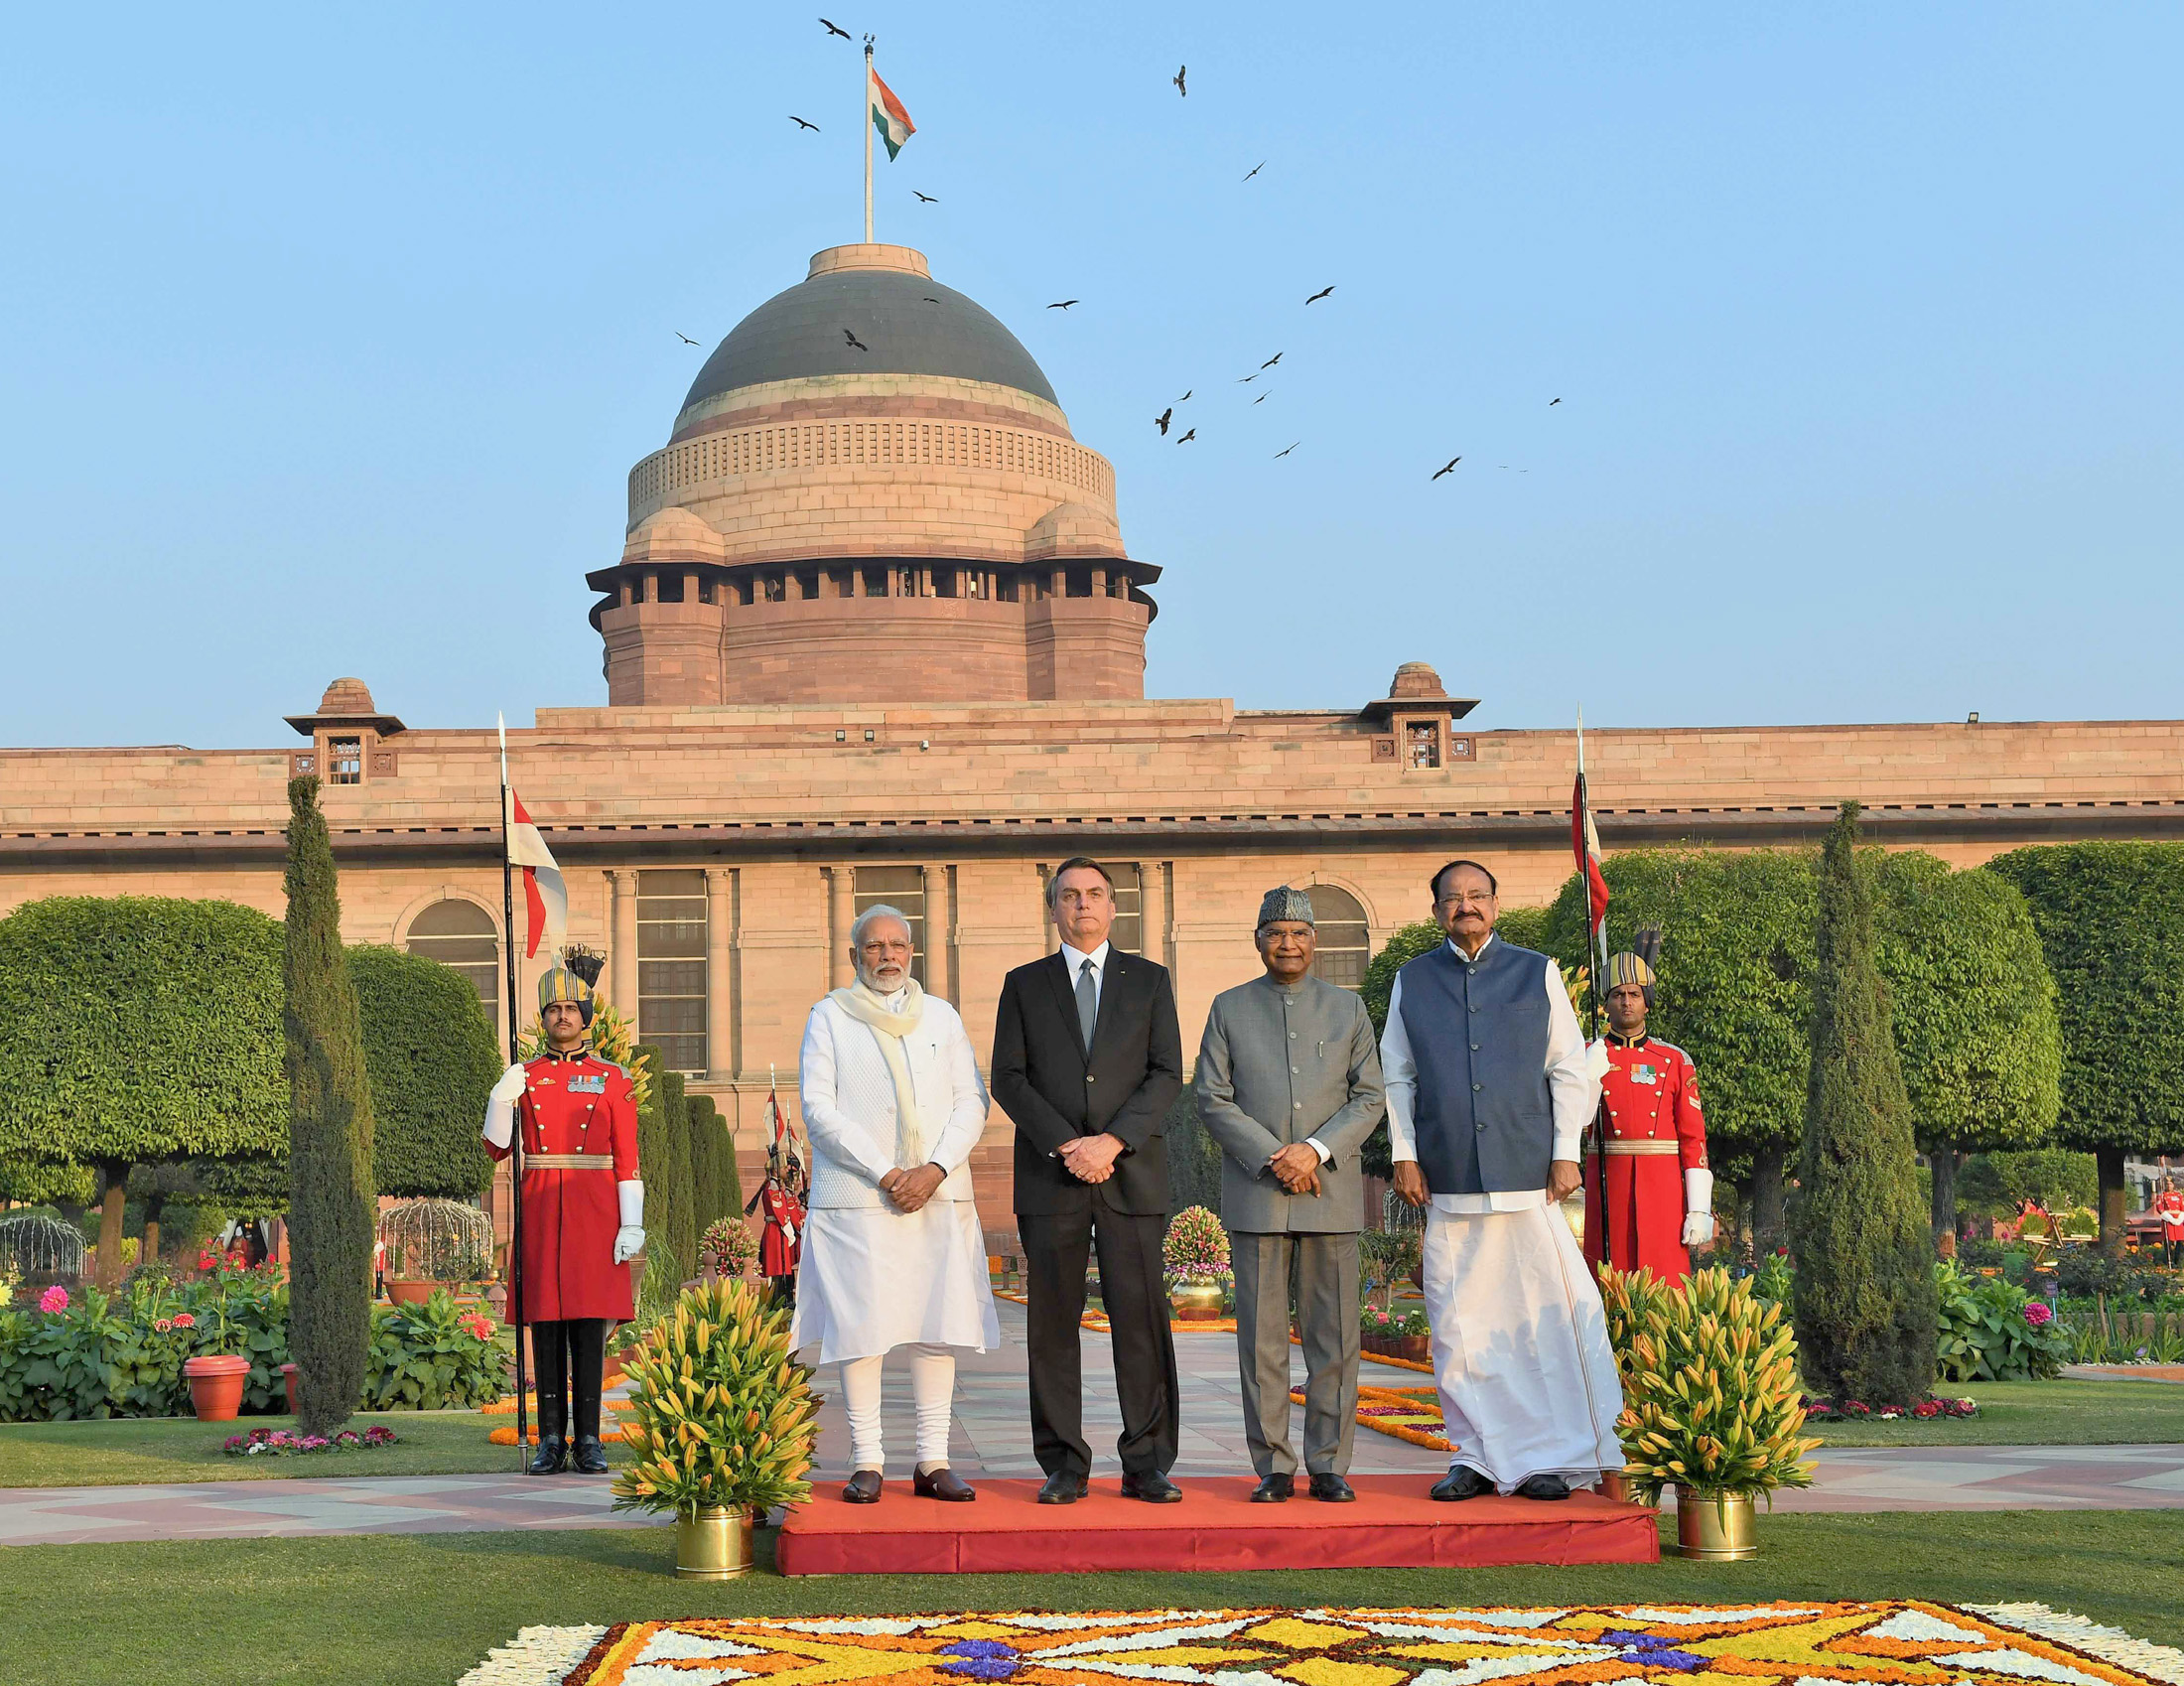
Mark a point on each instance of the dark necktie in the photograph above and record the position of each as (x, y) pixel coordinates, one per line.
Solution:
(1088, 1003)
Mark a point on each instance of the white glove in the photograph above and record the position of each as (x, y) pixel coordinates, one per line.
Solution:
(630, 1238)
(509, 1087)
(1698, 1207)
(501, 1102)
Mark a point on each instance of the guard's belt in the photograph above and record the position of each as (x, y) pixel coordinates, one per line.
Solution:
(572, 1161)
(1612, 1147)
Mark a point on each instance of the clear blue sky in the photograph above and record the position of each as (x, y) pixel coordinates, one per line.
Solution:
(329, 335)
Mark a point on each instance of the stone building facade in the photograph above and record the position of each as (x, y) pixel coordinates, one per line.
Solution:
(874, 636)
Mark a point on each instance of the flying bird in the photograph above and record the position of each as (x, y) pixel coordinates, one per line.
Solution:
(1161, 420)
(1279, 455)
(1262, 397)
(1551, 402)
(1437, 473)
(929, 298)
(1256, 167)
(1185, 398)
(1317, 297)
(684, 338)
(1271, 361)
(1188, 437)
(928, 197)
(1181, 70)
(1065, 305)
(834, 28)
(853, 339)
(1247, 380)
(801, 124)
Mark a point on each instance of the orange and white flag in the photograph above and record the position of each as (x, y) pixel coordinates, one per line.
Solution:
(545, 895)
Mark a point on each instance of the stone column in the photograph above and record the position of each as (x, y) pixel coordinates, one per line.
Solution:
(622, 943)
(840, 914)
(939, 935)
(720, 999)
(1153, 907)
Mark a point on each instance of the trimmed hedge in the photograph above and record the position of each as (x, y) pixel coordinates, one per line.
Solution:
(429, 1051)
(663, 1161)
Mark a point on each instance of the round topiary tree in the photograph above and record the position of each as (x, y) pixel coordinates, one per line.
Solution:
(2110, 920)
(1864, 1297)
(142, 1030)
(429, 1054)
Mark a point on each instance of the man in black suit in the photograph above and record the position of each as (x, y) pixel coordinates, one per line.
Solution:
(1087, 1059)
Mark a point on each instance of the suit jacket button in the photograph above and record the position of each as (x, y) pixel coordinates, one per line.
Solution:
(1475, 1087)
(1088, 1078)
(1474, 1047)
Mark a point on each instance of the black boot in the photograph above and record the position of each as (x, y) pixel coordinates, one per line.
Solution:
(587, 1372)
(548, 1348)
(553, 1443)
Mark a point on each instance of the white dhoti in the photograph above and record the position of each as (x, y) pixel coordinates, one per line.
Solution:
(874, 1278)
(1521, 1356)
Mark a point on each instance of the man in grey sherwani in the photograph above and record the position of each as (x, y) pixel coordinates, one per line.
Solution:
(1288, 1083)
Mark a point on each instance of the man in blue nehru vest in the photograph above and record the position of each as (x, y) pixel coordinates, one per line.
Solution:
(1490, 1086)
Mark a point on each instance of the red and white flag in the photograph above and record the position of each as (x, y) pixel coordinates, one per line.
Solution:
(545, 895)
(1585, 843)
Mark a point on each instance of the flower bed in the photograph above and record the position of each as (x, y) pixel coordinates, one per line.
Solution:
(279, 1443)
(1858, 1411)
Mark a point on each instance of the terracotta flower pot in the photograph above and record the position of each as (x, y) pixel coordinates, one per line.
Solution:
(215, 1385)
(288, 1381)
(406, 1292)
(1417, 1347)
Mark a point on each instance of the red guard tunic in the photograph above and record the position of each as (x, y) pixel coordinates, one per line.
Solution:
(783, 1242)
(578, 1123)
(1648, 1106)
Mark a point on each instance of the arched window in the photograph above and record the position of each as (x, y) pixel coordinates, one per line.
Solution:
(1345, 945)
(460, 935)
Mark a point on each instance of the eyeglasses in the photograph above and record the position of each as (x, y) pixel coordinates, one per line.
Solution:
(1484, 901)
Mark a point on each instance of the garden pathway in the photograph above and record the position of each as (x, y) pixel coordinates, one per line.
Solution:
(992, 1438)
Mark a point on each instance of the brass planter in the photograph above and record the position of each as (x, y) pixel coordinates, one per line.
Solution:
(1719, 1527)
(714, 1545)
(1195, 1302)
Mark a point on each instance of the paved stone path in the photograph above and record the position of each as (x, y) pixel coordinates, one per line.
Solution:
(992, 1438)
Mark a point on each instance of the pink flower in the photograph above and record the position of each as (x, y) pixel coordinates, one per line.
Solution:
(2037, 1312)
(55, 1299)
(163, 1326)
(184, 1319)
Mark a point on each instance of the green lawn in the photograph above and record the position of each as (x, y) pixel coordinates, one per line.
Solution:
(417, 1609)
(2035, 1413)
(182, 1449)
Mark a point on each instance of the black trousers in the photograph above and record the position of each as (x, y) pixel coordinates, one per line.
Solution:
(571, 1352)
(1131, 1286)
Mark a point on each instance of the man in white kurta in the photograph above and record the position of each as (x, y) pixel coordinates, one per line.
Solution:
(894, 1256)
(1490, 1086)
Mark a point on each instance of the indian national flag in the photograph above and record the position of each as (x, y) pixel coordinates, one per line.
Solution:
(889, 117)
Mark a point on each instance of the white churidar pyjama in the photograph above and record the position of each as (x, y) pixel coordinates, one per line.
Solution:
(932, 1392)
(1521, 1356)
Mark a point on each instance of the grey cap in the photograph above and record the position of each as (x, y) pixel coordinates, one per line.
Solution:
(1283, 902)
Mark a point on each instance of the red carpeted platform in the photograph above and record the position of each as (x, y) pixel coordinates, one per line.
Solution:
(1393, 1525)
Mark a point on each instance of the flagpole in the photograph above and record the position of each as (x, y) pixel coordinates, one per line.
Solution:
(866, 118)
(515, 1134)
(1598, 937)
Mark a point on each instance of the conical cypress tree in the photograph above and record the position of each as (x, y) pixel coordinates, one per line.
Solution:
(1864, 1301)
(331, 1193)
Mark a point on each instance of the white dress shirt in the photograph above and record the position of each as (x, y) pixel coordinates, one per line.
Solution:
(1571, 1080)
(1077, 959)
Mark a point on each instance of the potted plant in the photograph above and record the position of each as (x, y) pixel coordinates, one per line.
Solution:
(1712, 1404)
(728, 1248)
(720, 1423)
(216, 1377)
(1196, 1253)
(434, 1243)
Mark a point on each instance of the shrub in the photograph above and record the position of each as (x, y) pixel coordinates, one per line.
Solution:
(718, 1414)
(434, 1356)
(1193, 1156)
(429, 1054)
(1989, 1332)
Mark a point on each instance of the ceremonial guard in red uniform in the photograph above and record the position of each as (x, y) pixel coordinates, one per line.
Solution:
(583, 1214)
(1660, 1194)
(781, 1243)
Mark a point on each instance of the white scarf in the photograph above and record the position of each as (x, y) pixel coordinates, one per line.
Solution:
(869, 1007)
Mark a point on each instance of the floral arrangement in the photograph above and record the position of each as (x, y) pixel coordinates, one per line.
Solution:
(1392, 1325)
(730, 1246)
(1858, 1411)
(279, 1443)
(1196, 1251)
(719, 1413)
(1709, 1383)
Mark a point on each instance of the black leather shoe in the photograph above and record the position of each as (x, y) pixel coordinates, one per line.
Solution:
(1061, 1487)
(1542, 1487)
(1152, 1487)
(942, 1483)
(1330, 1489)
(1273, 1490)
(1462, 1481)
(553, 1455)
(586, 1457)
(863, 1487)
